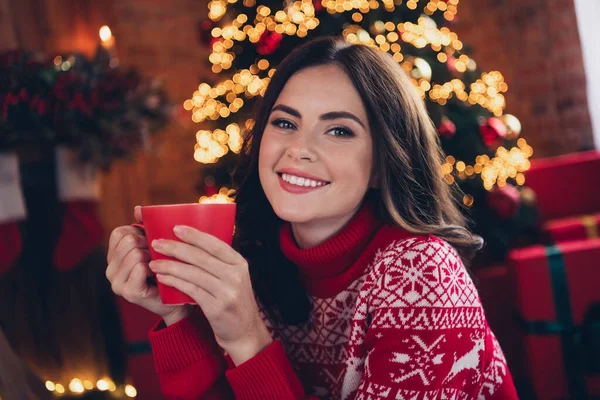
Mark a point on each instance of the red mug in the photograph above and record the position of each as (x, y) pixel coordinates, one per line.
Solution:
(216, 219)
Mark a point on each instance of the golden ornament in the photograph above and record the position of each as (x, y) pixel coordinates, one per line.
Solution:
(513, 126)
(528, 196)
(421, 69)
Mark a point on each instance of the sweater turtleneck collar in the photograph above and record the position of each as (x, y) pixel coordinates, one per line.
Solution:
(333, 258)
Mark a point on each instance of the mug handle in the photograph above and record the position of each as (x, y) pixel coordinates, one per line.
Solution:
(140, 226)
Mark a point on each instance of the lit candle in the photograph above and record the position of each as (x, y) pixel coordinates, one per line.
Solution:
(108, 40)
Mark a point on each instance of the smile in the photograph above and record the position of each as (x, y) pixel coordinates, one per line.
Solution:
(299, 185)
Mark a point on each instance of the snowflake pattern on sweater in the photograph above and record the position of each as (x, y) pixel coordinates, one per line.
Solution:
(410, 327)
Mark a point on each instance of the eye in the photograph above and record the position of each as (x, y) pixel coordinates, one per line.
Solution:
(283, 124)
(341, 131)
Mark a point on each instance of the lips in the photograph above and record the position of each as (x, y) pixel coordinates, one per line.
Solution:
(300, 174)
(298, 182)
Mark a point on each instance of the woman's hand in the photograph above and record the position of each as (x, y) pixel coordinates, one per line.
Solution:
(217, 278)
(127, 271)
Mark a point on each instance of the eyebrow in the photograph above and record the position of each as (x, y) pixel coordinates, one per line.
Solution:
(325, 117)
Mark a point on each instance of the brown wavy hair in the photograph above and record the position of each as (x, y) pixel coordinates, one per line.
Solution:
(410, 194)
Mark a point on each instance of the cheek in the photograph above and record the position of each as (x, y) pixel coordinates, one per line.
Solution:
(354, 167)
(267, 157)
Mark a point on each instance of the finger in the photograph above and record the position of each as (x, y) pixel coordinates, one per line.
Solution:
(136, 288)
(122, 274)
(215, 247)
(189, 273)
(201, 296)
(189, 254)
(116, 237)
(113, 240)
(128, 242)
(137, 213)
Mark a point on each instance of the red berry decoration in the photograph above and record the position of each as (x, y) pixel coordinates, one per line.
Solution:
(505, 201)
(492, 131)
(268, 43)
(447, 129)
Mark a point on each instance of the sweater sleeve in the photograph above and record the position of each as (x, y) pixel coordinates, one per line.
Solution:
(189, 363)
(267, 376)
(425, 334)
(192, 366)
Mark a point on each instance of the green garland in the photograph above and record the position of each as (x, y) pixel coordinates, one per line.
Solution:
(101, 111)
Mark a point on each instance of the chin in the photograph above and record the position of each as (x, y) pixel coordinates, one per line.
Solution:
(290, 212)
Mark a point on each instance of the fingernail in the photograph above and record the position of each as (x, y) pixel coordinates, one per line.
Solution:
(157, 244)
(179, 230)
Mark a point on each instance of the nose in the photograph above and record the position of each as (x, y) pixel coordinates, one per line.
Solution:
(301, 147)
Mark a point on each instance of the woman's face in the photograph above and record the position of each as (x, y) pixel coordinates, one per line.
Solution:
(316, 153)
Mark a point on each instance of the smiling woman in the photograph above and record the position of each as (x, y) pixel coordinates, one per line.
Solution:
(347, 277)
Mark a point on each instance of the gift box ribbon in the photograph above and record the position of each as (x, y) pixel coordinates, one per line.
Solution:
(574, 339)
(137, 348)
(590, 223)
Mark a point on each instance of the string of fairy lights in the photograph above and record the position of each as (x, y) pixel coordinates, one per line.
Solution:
(79, 387)
(297, 18)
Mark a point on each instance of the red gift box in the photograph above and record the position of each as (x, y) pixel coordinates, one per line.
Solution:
(566, 185)
(558, 299)
(574, 228)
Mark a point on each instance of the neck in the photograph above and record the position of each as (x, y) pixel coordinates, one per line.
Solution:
(314, 233)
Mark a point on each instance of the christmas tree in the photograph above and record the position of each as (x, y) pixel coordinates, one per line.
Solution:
(485, 155)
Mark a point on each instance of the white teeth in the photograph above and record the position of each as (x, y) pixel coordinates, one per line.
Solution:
(296, 180)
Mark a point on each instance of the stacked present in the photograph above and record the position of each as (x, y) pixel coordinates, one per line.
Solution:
(558, 305)
(550, 293)
(568, 192)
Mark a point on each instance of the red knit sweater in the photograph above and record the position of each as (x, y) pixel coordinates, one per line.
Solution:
(394, 316)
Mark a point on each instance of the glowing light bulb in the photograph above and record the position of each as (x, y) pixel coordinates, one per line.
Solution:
(102, 385)
(130, 391)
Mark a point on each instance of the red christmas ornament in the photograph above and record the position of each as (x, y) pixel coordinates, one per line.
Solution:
(505, 201)
(203, 31)
(492, 131)
(268, 43)
(450, 63)
(210, 187)
(318, 5)
(447, 129)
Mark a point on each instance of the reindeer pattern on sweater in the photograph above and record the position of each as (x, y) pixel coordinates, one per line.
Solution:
(411, 327)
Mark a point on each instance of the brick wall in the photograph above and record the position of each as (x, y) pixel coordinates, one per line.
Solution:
(158, 36)
(535, 44)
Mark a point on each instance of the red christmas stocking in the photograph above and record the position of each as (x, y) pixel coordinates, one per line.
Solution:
(78, 190)
(12, 210)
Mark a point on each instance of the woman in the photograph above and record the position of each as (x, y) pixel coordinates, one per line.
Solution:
(347, 279)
